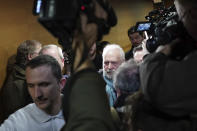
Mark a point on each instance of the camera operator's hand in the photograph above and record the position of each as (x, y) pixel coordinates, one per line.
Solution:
(167, 49)
(145, 51)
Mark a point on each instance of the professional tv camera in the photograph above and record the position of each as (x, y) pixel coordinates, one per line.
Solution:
(60, 17)
(163, 26)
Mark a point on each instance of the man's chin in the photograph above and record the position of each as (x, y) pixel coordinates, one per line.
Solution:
(42, 105)
(109, 76)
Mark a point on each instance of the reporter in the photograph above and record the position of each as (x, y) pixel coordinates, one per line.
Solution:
(170, 85)
(167, 100)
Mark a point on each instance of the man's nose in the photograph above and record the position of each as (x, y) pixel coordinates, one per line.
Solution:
(38, 92)
(134, 41)
(110, 66)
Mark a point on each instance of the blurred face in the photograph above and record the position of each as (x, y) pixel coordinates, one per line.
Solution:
(54, 53)
(112, 60)
(43, 87)
(136, 39)
(188, 15)
(36, 52)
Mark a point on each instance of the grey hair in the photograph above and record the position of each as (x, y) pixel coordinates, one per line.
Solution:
(126, 77)
(112, 47)
(25, 48)
(59, 49)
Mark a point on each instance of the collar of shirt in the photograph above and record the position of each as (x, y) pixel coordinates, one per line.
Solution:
(43, 117)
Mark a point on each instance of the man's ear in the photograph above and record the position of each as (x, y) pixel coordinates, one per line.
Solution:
(29, 57)
(62, 83)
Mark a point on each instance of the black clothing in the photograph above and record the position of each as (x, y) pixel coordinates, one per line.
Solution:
(85, 104)
(129, 54)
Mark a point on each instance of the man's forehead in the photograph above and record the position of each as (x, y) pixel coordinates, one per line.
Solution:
(134, 34)
(39, 73)
(113, 57)
(113, 52)
(38, 69)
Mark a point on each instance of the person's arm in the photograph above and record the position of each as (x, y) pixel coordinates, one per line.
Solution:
(170, 85)
(10, 124)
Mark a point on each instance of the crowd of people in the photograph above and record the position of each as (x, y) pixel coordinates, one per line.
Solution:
(104, 89)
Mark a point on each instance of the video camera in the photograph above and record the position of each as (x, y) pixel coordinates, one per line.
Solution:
(60, 17)
(162, 27)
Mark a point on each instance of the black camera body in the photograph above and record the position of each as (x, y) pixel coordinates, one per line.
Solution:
(162, 27)
(60, 17)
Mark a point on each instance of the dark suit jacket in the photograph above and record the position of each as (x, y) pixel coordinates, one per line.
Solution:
(85, 104)
(14, 94)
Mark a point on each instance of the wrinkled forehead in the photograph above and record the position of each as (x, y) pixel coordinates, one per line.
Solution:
(113, 55)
